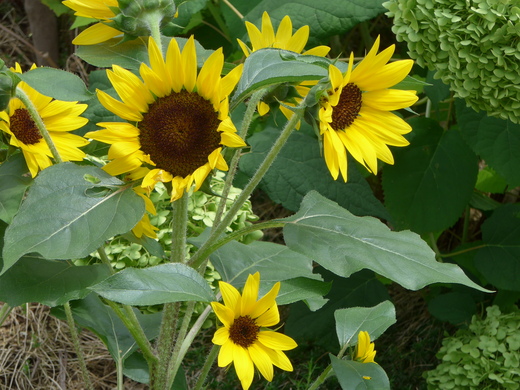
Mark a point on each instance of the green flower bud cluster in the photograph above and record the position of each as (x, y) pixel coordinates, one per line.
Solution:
(474, 46)
(486, 356)
(136, 17)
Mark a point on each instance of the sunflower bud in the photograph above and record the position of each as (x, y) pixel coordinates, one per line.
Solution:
(135, 15)
(473, 46)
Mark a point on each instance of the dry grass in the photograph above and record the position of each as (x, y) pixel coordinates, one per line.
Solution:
(36, 353)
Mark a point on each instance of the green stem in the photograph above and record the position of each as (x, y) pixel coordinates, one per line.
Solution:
(154, 25)
(239, 233)
(465, 229)
(77, 347)
(319, 381)
(463, 251)
(233, 166)
(120, 377)
(165, 342)
(4, 312)
(105, 260)
(220, 228)
(33, 111)
(179, 228)
(434, 246)
(207, 366)
(127, 315)
(177, 358)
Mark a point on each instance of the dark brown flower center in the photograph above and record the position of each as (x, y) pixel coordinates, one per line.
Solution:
(179, 132)
(244, 331)
(24, 128)
(347, 110)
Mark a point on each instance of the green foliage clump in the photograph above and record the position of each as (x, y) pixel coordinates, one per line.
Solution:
(485, 356)
(473, 46)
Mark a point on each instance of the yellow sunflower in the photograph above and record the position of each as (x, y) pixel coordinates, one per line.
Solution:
(178, 120)
(59, 118)
(243, 339)
(95, 9)
(282, 39)
(365, 350)
(355, 113)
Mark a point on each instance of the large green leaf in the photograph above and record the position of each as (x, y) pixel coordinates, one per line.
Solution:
(69, 212)
(15, 180)
(272, 66)
(91, 313)
(359, 376)
(300, 168)
(344, 244)
(420, 186)
(172, 282)
(303, 289)
(235, 262)
(325, 19)
(57, 83)
(495, 140)
(48, 282)
(374, 320)
(499, 261)
(129, 54)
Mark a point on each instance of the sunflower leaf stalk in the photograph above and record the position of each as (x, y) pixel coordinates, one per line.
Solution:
(33, 112)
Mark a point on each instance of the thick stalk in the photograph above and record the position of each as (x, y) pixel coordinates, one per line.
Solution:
(77, 347)
(166, 340)
(33, 111)
(319, 381)
(220, 228)
(154, 26)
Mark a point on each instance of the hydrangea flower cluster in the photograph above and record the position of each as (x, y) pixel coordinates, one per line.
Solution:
(473, 46)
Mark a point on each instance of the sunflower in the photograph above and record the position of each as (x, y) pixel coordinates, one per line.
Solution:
(355, 113)
(282, 39)
(365, 350)
(178, 121)
(244, 341)
(95, 9)
(59, 118)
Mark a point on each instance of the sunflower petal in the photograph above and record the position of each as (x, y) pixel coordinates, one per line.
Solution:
(275, 340)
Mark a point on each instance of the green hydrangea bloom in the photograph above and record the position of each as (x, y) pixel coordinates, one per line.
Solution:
(486, 356)
(474, 46)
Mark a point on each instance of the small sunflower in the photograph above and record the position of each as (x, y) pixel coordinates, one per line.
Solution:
(365, 350)
(101, 10)
(355, 113)
(244, 341)
(178, 121)
(59, 118)
(282, 39)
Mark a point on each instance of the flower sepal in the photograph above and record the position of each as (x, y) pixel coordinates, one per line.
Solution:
(135, 16)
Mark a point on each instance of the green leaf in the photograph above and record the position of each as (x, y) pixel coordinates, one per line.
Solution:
(454, 307)
(374, 320)
(129, 54)
(187, 10)
(499, 261)
(235, 262)
(437, 91)
(359, 376)
(420, 187)
(325, 19)
(300, 168)
(361, 289)
(344, 244)
(490, 181)
(303, 289)
(92, 314)
(172, 282)
(15, 178)
(57, 83)
(267, 67)
(59, 221)
(496, 141)
(48, 282)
